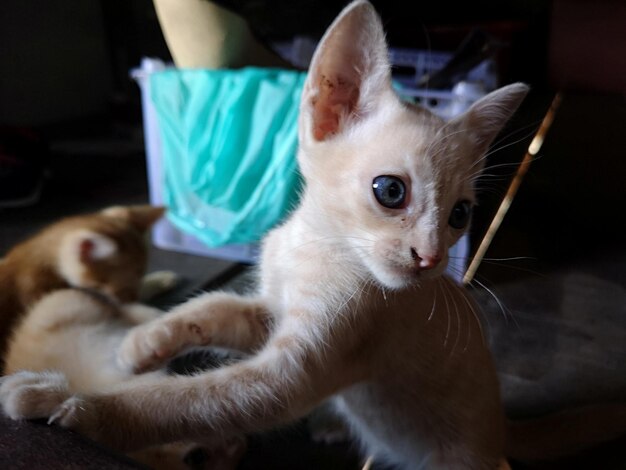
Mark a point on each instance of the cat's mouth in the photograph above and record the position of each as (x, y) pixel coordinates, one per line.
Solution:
(408, 272)
(397, 276)
(404, 275)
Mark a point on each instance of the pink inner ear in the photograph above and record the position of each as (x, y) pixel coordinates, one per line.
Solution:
(86, 249)
(336, 100)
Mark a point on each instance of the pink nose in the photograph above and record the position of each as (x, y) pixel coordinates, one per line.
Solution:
(429, 262)
(425, 262)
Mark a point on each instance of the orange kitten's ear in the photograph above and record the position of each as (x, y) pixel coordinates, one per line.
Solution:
(141, 217)
(79, 249)
(484, 120)
(91, 246)
(348, 73)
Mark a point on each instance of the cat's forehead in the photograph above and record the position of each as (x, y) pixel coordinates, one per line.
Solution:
(406, 136)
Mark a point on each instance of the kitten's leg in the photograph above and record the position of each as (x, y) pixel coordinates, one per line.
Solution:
(278, 385)
(32, 395)
(216, 319)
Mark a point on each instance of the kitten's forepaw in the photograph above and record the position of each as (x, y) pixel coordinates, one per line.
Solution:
(147, 347)
(32, 395)
(157, 283)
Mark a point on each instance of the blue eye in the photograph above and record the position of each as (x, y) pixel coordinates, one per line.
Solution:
(460, 215)
(389, 191)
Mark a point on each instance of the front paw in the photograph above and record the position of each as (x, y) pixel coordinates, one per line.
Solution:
(32, 395)
(148, 346)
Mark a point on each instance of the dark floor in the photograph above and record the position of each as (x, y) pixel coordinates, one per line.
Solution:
(555, 314)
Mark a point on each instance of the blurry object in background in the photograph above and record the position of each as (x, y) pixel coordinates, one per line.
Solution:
(200, 34)
(23, 161)
(475, 48)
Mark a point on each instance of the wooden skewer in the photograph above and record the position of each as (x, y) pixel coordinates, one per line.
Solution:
(533, 149)
(368, 463)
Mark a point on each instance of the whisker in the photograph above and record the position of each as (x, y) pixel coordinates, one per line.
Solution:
(472, 306)
(515, 268)
(491, 167)
(432, 311)
(445, 299)
(500, 304)
(512, 258)
(495, 149)
(458, 316)
(533, 125)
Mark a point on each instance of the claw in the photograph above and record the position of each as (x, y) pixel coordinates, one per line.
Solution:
(55, 416)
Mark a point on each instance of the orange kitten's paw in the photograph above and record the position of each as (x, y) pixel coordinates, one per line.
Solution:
(32, 395)
(74, 413)
(157, 283)
(82, 414)
(148, 346)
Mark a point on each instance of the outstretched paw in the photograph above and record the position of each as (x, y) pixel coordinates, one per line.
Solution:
(32, 395)
(148, 346)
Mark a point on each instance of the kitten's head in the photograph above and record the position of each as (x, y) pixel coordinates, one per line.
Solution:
(106, 251)
(390, 179)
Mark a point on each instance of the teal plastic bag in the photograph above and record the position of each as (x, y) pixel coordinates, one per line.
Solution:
(229, 141)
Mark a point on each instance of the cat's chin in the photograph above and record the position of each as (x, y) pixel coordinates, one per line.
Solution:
(399, 278)
(396, 279)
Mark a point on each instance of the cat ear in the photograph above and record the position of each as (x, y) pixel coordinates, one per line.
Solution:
(87, 246)
(141, 217)
(349, 71)
(91, 246)
(78, 250)
(484, 120)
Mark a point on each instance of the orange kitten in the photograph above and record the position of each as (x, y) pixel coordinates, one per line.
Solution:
(105, 250)
(71, 336)
(351, 304)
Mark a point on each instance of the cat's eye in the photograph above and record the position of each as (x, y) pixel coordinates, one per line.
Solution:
(460, 215)
(389, 191)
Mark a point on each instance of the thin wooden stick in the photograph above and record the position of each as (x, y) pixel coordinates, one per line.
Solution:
(368, 463)
(533, 149)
